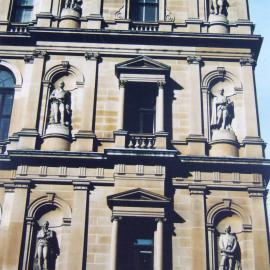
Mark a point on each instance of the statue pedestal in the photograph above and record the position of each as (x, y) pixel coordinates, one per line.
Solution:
(70, 18)
(224, 144)
(218, 24)
(57, 138)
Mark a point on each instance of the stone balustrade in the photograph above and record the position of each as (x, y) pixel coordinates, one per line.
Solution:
(141, 141)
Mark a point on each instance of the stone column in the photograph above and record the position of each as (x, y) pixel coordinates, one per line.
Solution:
(85, 137)
(160, 107)
(79, 224)
(198, 231)
(196, 140)
(15, 233)
(259, 230)
(5, 6)
(95, 17)
(33, 73)
(114, 242)
(252, 141)
(121, 108)
(158, 245)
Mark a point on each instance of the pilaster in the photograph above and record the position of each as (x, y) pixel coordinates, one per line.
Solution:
(79, 223)
(114, 242)
(259, 229)
(15, 233)
(5, 6)
(44, 17)
(199, 243)
(253, 144)
(196, 140)
(33, 72)
(85, 138)
(158, 244)
(95, 18)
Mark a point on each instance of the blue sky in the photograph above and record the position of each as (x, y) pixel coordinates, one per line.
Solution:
(259, 13)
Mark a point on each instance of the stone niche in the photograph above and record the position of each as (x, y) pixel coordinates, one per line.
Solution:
(59, 113)
(46, 240)
(223, 119)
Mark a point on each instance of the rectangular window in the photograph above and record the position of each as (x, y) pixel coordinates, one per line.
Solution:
(144, 10)
(140, 108)
(136, 244)
(22, 11)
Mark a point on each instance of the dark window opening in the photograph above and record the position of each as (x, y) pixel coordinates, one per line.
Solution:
(6, 101)
(22, 11)
(140, 102)
(144, 10)
(136, 244)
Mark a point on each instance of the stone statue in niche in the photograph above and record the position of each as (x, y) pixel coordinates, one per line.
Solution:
(47, 248)
(219, 7)
(222, 112)
(229, 251)
(60, 106)
(73, 4)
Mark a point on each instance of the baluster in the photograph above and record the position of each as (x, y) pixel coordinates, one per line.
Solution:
(143, 145)
(130, 144)
(137, 144)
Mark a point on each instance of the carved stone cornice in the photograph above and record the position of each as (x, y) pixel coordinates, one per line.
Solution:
(92, 56)
(248, 62)
(194, 60)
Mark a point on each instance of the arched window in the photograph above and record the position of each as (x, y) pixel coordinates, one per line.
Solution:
(7, 83)
(22, 11)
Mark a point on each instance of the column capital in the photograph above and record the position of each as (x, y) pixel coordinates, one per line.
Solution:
(116, 218)
(40, 54)
(257, 192)
(9, 187)
(22, 183)
(161, 84)
(197, 190)
(248, 62)
(81, 185)
(160, 219)
(194, 60)
(92, 56)
(122, 83)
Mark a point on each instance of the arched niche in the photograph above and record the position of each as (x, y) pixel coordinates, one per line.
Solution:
(219, 217)
(212, 83)
(58, 213)
(74, 80)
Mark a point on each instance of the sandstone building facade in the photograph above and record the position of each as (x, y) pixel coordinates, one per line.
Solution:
(130, 136)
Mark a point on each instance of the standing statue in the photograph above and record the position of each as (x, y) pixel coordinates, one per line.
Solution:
(60, 107)
(73, 4)
(44, 239)
(222, 112)
(219, 7)
(228, 245)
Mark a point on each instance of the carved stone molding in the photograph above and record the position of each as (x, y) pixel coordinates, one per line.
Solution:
(257, 192)
(81, 185)
(22, 183)
(248, 62)
(194, 60)
(9, 187)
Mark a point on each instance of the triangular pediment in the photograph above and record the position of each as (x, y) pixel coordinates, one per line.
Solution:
(142, 64)
(137, 197)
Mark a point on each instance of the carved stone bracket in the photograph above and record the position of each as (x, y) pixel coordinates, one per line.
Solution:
(221, 71)
(120, 14)
(65, 65)
(194, 60)
(248, 62)
(169, 17)
(162, 219)
(122, 83)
